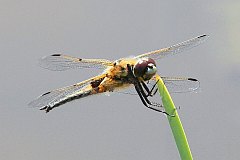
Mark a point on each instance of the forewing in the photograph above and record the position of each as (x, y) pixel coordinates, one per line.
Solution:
(130, 90)
(62, 94)
(173, 84)
(157, 54)
(181, 85)
(60, 62)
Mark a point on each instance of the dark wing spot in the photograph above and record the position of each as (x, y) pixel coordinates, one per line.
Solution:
(56, 55)
(80, 59)
(192, 79)
(45, 93)
(202, 36)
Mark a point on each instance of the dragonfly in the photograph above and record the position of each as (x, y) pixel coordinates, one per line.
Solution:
(137, 73)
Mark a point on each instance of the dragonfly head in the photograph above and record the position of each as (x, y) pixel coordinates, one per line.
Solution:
(145, 68)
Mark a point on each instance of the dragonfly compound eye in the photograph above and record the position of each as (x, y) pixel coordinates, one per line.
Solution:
(145, 68)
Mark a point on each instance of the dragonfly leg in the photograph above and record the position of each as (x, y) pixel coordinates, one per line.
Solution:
(151, 105)
(148, 104)
(146, 88)
(152, 91)
(143, 96)
(154, 86)
(139, 87)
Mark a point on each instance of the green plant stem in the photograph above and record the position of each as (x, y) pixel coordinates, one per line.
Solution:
(175, 123)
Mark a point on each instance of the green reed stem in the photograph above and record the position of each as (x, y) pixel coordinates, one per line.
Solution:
(175, 123)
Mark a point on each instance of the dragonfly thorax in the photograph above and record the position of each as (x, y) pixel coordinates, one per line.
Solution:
(145, 68)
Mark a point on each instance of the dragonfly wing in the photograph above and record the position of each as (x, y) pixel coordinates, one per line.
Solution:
(57, 97)
(177, 84)
(181, 85)
(158, 54)
(129, 91)
(173, 84)
(60, 62)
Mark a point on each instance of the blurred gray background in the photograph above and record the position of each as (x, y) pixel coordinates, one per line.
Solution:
(118, 126)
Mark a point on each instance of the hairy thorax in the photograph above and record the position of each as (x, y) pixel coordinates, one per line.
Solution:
(117, 75)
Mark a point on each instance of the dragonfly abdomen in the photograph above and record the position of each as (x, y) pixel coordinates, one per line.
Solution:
(94, 87)
(66, 99)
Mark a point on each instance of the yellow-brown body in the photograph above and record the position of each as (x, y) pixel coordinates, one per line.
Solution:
(113, 78)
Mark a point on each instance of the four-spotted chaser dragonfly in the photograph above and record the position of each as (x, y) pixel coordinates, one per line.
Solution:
(136, 72)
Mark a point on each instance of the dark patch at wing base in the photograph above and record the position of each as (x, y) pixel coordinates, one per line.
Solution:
(96, 83)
